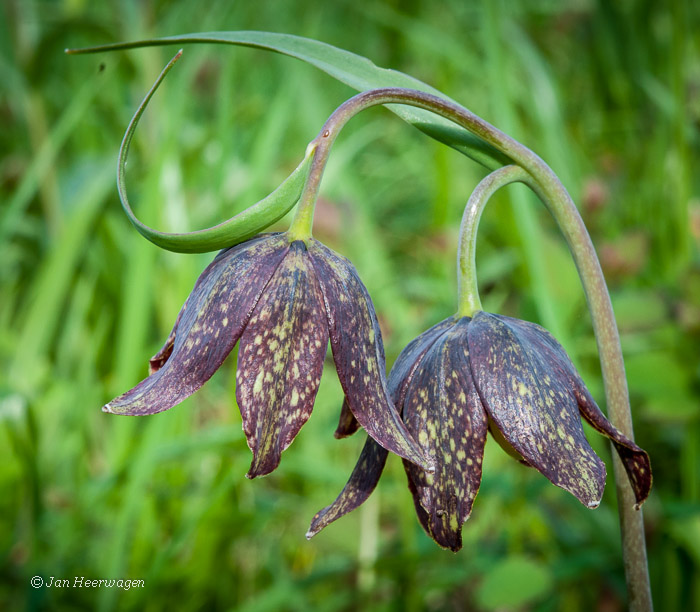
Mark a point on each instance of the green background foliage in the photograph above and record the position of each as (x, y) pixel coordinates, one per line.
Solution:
(607, 93)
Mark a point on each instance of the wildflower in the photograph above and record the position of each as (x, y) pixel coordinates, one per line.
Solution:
(283, 300)
(466, 376)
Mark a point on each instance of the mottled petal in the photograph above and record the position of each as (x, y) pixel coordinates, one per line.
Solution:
(442, 409)
(209, 326)
(347, 423)
(531, 400)
(635, 459)
(365, 476)
(158, 360)
(409, 359)
(359, 359)
(280, 360)
(363, 481)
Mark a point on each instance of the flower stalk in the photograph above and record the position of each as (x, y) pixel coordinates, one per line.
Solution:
(468, 288)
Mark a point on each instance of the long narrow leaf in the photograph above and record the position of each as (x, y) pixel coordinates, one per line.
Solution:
(354, 70)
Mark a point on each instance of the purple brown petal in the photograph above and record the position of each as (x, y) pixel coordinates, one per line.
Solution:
(209, 326)
(530, 399)
(635, 460)
(370, 465)
(158, 360)
(357, 350)
(280, 360)
(442, 409)
(347, 423)
(362, 482)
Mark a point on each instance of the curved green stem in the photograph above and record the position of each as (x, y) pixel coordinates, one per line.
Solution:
(302, 223)
(300, 228)
(242, 226)
(545, 183)
(468, 289)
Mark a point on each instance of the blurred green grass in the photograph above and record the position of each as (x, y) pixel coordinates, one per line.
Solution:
(607, 93)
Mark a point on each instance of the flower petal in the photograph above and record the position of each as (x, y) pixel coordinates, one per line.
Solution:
(347, 423)
(409, 359)
(356, 342)
(442, 409)
(209, 325)
(635, 459)
(529, 396)
(158, 360)
(280, 360)
(362, 482)
(370, 465)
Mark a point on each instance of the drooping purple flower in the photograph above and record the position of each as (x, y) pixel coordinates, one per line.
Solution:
(465, 376)
(283, 301)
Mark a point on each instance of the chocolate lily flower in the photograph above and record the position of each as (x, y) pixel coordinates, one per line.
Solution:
(283, 300)
(465, 376)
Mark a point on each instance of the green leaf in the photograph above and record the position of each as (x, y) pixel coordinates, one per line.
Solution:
(515, 581)
(237, 229)
(354, 70)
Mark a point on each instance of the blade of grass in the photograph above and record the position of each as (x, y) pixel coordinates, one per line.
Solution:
(52, 283)
(46, 156)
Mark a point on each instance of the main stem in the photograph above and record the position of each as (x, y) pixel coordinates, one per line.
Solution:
(540, 177)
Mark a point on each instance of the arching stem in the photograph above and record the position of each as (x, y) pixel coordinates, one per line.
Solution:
(547, 186)
(468, 290)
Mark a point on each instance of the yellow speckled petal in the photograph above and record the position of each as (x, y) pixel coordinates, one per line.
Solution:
(443, 411)
(158, 360)
(530, 398)
(359, 358)
(362, 482)
(208, 326)
(280, 360)
(635, 459)
(409, 359)
(365, 476)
